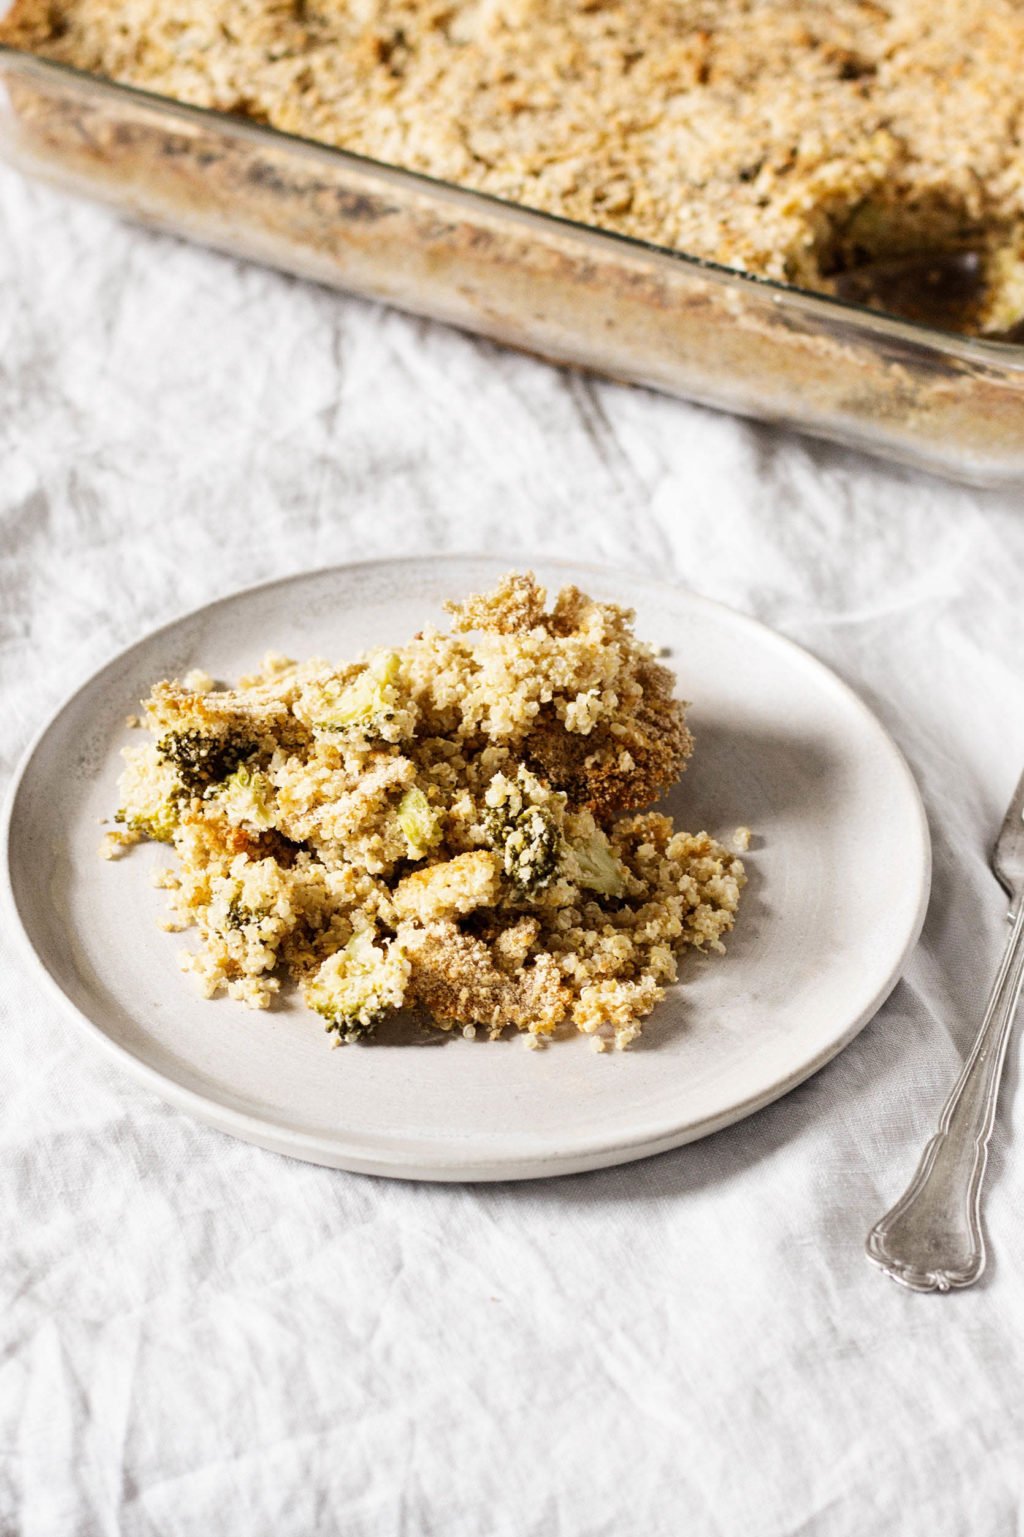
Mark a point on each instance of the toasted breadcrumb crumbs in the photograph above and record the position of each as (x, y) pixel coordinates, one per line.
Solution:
(456, 825)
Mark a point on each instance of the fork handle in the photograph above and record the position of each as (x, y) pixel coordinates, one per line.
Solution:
(931, 1240)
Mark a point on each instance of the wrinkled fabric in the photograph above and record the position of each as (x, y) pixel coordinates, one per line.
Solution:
(197, 1336)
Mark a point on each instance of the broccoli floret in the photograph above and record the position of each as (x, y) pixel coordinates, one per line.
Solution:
(159, 824)
(240, 916)
(247, 796)
(201, 761)
(593, 865)
(150, 795)
(531, 850)
(522, 832)
(367, 702)
(420, 823)
(357, 986)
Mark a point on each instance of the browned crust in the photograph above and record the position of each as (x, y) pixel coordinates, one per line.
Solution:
(629, 770)
(455, 979)
(515, 606)
(26, 25)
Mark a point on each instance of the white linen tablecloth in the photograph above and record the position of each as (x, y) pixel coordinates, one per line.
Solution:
(199, 1337)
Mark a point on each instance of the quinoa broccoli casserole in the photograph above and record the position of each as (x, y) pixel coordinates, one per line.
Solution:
(739, 203)
(791, 140)
(459, 825)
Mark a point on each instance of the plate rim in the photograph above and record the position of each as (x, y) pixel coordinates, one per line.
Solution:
(390, 1161)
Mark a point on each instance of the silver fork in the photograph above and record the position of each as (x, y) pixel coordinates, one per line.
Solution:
(931, 1240)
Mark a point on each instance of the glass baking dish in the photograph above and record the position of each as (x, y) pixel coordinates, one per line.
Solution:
(578, 295)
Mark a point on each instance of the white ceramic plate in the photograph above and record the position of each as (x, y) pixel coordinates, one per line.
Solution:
(839, 875)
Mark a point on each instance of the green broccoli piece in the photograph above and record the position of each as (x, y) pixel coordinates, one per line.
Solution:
(201, 761)
(240, 916)
(357, 986)
(158, 824)
(249, 795)
(522, 832)
(150, 795)
(420, 823)
(593, 865)
(368, 701)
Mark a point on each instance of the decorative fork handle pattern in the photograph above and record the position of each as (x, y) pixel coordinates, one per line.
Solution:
(932, 1240)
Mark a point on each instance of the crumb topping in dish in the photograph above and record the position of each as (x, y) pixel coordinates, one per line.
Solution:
(458, 825)
(794, 140)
